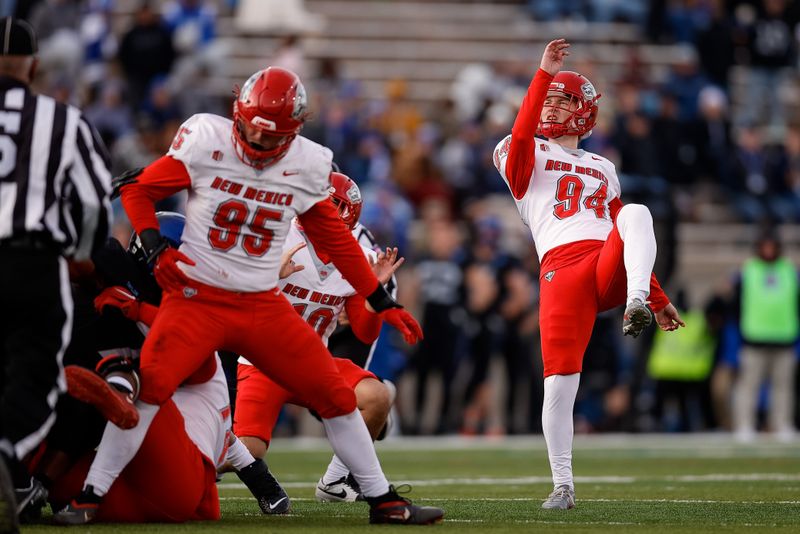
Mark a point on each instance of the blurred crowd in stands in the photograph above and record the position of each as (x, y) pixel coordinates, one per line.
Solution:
(716, 138)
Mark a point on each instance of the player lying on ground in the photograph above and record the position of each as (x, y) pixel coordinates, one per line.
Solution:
(66, 458)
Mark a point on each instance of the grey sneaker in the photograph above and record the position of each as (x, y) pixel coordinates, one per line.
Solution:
(562, 498)
(637, 317)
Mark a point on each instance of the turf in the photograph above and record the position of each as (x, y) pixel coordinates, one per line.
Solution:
(623, 483)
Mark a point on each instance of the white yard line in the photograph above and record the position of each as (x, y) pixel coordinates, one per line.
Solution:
(536, 499)
(490, 481)
(719, 442)
(698, 446)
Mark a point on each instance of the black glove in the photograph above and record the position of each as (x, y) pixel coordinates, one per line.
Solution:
(153, 244)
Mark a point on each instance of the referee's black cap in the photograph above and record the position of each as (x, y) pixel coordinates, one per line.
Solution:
(17, 38)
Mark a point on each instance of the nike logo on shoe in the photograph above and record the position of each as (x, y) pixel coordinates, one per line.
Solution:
(402, 516)
(274, 505)
(341, 494)
(291, 173)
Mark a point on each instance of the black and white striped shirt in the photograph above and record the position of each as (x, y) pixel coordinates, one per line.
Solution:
(54, 173)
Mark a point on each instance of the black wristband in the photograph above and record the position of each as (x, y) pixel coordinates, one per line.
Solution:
(153, 243)
(381, 300)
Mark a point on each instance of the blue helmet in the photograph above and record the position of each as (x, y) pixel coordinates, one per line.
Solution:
(170, 224)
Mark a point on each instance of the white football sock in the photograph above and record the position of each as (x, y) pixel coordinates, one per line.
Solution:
(352, 443)
(336, 470)
(635, 226)
(238, 455)
(117, 449)
(559, 399)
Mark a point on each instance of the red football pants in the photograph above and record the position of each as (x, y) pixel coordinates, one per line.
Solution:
(585, 277)
(169, 479)
(262, 326)
(259, 400)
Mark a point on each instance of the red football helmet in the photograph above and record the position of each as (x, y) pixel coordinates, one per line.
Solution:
(273, 102)
(346, 196)
(578, 89)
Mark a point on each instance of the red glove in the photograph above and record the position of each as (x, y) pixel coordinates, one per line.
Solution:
(120, 298)
(404, 322)
(168, 275)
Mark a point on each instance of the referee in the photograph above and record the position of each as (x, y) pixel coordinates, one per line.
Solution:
(54, 205)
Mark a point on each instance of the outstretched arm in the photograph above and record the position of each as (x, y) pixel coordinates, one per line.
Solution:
(521, 154)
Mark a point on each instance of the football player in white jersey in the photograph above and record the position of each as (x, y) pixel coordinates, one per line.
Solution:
(317, 291)
(595, 253)
(247, 179)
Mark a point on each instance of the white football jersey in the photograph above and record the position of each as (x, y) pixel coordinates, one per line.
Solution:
(206, 413)
(319, 292)
(568, 195)
(237, 216)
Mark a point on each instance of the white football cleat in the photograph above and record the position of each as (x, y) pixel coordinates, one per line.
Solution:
(343, 490)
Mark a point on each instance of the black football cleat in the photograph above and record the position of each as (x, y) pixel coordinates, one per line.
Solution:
(82, 509)
(271, 497)
(30, 501)
(394, 509)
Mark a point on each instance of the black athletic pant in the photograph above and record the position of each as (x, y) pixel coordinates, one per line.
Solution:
(35, 328)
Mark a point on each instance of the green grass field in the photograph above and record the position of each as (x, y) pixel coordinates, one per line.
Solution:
(623, 484)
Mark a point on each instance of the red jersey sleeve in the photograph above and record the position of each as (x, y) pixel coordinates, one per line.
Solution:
(161, 179)
(522, 152)
(658, 299)
(331, 237)
(365, 324)
(147, 313)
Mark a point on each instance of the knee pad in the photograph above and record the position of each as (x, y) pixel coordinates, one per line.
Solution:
(633, 215)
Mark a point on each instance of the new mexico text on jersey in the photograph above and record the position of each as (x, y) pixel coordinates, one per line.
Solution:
(241, 210)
